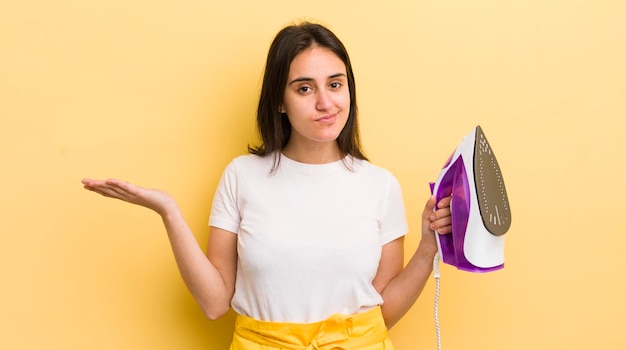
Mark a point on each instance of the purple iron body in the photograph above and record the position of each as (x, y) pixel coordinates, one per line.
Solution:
(480, 208)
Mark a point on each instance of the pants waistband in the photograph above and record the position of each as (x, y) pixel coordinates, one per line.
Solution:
(337, 332)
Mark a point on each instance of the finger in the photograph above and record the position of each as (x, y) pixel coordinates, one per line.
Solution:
(444, 202)
(120, 192)
(445, 221)
(442, 225)
(102, 191)
(102, 187)
(112, 181)
(429, 208)
(430, 204)
(444, 230)
(123, 186)
(91, 182)
(105, 188)
(440, 213)
(115, 188)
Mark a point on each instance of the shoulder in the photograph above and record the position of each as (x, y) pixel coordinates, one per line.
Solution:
(381, 180)
(365, 167)
(245, 170)
(250, 162)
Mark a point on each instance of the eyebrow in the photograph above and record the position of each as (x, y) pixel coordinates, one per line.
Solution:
(306, 79)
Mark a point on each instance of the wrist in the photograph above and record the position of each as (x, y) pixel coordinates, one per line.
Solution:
(164, 204)
(427, 249)
(168, 210)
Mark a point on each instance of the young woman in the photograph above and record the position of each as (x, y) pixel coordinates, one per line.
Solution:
(306, 236)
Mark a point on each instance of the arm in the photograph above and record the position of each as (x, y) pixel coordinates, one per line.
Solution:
(400, 287)
(210, 278)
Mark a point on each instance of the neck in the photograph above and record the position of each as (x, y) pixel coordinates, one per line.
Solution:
(313, 154)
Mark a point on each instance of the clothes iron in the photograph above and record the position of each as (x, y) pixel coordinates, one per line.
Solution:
(481, 214)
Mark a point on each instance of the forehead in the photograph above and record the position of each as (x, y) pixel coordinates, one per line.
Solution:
(316, 62)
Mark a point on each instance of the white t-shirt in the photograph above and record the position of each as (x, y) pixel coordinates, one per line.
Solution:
(310, 236)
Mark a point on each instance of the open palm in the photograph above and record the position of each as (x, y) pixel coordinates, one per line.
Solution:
(154, 199)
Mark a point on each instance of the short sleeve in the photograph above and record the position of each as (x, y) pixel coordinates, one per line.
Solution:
(393, 220)
(225, 212)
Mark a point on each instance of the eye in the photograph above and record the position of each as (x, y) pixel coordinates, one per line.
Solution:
(335, 85)
(304, 89)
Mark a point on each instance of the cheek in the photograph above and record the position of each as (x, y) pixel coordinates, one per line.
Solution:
(345, 100)
(294, 106)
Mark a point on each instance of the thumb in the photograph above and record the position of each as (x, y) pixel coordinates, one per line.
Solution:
(429, 208)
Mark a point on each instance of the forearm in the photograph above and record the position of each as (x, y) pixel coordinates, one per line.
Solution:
(404, 289)
(205, 280)
(201, 277)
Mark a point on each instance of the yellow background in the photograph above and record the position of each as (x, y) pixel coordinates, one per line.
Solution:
(163, 94)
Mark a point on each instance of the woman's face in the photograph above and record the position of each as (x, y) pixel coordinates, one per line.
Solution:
(317, 97)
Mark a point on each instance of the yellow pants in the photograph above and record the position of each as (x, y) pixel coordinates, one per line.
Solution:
(363, 331)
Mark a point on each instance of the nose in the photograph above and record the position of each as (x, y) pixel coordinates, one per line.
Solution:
(324, 101)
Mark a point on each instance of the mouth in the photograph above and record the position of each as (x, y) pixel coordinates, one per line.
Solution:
(327, 119)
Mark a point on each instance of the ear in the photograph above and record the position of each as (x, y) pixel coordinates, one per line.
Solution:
(282, 109)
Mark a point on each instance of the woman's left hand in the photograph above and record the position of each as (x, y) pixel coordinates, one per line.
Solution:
(441, 218)
(436, 217)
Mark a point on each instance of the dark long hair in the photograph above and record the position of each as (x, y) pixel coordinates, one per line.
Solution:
(273, 126)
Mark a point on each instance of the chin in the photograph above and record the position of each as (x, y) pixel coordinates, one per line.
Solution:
(328, 138)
